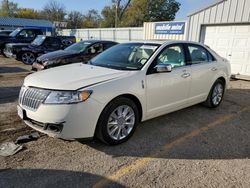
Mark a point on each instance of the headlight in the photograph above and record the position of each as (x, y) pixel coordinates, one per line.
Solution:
(48, 63)
(67, 97)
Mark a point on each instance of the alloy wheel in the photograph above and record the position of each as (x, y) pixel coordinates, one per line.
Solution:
(28, 58)
(121, 122)
(217, 94)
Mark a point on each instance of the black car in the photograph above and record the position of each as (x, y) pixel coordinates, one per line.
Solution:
(20, 35)
(27, 53)
(5, 32)
(79, 52)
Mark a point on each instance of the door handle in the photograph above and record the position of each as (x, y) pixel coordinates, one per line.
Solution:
(214, 69)
(185, 75)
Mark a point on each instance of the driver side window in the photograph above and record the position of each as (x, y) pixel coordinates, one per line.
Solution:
(27, 34)
(173, 55)
(95, 49)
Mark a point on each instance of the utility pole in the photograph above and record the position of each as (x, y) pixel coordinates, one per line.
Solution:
(116, 13)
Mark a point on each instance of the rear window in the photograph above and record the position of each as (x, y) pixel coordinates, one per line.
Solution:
(199, 54)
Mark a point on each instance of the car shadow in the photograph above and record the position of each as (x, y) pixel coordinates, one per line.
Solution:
(48, 178)
(9, 94)
(12, 70)
(228, 139)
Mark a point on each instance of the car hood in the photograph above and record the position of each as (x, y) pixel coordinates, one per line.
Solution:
(4, 39)
(72, 77)
(59, 54)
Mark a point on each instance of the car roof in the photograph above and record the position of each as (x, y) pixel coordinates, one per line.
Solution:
(96, 41)
(162, 42)
(36, 28)
(6, 30)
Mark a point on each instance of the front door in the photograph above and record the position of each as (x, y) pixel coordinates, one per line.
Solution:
(168, 91)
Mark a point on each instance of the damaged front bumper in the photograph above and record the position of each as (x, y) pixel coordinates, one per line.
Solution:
(9, 54)
(64, 121)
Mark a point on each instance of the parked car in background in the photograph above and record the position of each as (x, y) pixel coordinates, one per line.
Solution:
(79, 52)
(27, 53)
(122, 86)
(20, 35)
(5, 32)
(67, 40)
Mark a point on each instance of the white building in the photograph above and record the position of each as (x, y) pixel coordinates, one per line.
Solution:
(225, 27)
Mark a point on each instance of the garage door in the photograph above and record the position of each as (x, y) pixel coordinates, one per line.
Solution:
(231, 42)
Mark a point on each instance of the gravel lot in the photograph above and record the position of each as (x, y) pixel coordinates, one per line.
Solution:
(194, 147)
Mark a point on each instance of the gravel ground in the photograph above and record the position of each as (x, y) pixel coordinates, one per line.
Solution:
(194, 147)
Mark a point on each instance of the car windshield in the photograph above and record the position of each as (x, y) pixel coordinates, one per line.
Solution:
(38, 40)
(78, 47)
(15, 32)
(131, 56)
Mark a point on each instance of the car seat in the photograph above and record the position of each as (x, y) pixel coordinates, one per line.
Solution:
(197, 55)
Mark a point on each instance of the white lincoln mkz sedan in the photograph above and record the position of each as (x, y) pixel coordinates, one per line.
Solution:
(121, 87)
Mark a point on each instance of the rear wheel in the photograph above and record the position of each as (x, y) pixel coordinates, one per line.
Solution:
(28, 58)
(118, 121)
(216, 94)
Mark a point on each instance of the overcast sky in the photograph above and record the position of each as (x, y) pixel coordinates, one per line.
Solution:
(187, 6)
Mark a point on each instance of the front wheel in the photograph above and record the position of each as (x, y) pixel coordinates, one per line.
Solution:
(28, 58)
(118, 121)
(216, 94)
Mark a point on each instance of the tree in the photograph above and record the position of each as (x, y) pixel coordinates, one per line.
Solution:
(112, 15)
(8, 8)
(54, 11)
(150, 11)
(162, 10)
(108, 14)
(135, 14)
(28, 13)
(92, 19)
(75, 20)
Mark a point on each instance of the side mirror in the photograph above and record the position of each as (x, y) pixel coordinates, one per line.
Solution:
(163, 68)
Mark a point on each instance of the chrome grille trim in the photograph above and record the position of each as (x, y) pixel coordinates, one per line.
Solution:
(32, 98)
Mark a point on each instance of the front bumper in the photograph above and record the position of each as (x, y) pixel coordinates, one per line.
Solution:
(37, 66)
(65, 121)
(9, 54)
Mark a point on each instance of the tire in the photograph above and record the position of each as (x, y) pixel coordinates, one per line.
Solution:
(28, 58)
(216, 94)
(112, 127)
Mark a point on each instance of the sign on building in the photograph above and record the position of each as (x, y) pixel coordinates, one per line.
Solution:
(170, 28)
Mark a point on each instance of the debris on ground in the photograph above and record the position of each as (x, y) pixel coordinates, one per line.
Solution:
(9, 148)
(27, 138)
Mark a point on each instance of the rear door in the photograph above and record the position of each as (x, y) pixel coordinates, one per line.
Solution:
(203, 69)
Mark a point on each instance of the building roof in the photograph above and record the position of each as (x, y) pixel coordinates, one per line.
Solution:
(207, 7)
(23, 22)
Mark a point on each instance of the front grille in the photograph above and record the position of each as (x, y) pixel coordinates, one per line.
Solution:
(9, 49)
(32, 98)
